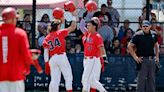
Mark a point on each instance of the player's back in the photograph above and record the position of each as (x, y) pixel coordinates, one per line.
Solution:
(55, 41)
(11, 52)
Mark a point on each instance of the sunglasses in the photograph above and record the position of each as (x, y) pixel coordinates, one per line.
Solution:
(144, 26)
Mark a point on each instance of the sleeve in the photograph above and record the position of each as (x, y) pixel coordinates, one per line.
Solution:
(99, 41)
(25, 52)
(64, 32)
(134, 39)
(45, 43)
(46, 55)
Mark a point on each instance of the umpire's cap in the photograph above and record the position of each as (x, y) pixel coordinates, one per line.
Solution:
(146, 23)
(9, 13)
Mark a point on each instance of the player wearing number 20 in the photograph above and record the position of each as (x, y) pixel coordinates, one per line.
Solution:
(54, 47)
(15, 56)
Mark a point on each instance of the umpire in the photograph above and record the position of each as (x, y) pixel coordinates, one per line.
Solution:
(144, 49)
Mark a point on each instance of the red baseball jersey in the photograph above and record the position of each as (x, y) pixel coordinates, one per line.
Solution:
(92, 42)
(55, 41)
(14, 53)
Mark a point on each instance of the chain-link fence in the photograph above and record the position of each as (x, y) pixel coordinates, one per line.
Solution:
(131, 10)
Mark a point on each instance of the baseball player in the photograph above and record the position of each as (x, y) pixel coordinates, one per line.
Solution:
(93, 51)
(15, 56)
(91, 7)
(54, 48)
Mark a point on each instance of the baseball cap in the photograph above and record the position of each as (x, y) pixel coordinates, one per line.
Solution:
(8, 13)
(146, 23)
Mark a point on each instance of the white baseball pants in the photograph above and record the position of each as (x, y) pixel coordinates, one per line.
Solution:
(60, 64)
(91, 74)
(12, 86)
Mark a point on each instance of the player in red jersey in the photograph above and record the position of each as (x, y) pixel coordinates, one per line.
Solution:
(93, 51)
(54, 48)
(15, 56)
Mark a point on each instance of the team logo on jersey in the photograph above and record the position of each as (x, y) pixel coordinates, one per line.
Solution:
(89, 48)
(90, 40)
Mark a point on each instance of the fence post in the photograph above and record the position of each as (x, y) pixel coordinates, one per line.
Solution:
(33, 22)
(147, 9)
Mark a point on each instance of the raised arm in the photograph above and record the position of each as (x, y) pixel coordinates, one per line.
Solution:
(83, 26)
(70, 15)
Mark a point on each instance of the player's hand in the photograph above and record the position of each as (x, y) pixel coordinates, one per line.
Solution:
(35, 53)
(138, 59)
(47, 68)
(157, 59)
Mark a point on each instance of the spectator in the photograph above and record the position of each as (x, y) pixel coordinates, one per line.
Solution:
(26, 25)
(42, 27)
(122, 29)
(143, 15)
(158, 30)
(44, 21)
(45, 18)
(124, 41)
(114, 14)
(103, 15)
(107, 34)
(72, 50)
(75, 37)
(115, 47)
(78, 48)
(68, 45)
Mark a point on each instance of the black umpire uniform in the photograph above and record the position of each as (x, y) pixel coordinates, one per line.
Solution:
(144, 49)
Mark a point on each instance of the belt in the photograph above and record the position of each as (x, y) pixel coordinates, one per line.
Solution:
(90, 57)
(148, 57)
(60, 53)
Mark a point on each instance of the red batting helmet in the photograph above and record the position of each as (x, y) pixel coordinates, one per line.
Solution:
(91, 5)
(9, 13)
(58, 13)
(70, 6)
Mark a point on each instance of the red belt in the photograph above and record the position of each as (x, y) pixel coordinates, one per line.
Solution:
(90, 57)
(60, 53)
